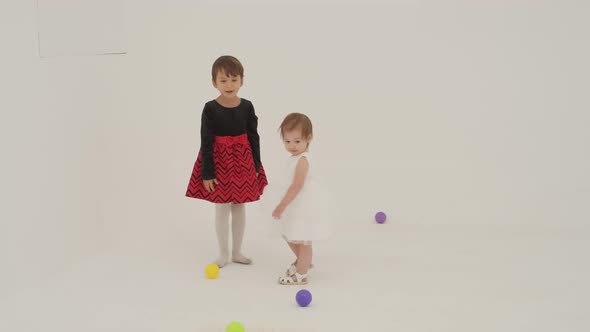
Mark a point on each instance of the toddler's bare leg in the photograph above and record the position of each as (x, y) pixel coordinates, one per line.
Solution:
(295, 248)
(304, 260)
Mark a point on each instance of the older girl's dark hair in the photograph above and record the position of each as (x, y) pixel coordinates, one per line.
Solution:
(228, 65)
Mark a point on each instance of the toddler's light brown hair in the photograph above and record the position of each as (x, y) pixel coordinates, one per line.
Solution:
(297, 121)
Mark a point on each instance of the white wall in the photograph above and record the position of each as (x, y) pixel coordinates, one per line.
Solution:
(456, 113)
(438, 113)
(52, 139)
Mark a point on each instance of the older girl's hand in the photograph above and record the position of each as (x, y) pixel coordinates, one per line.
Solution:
(210, 184)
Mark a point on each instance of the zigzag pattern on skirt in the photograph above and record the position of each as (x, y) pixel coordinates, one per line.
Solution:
(235, 172)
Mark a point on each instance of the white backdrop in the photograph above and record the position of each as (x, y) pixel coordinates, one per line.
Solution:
(437, 112)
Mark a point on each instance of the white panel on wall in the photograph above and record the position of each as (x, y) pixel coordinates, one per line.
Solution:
(81, 27)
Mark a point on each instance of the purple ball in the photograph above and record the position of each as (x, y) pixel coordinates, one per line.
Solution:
(303, 297)
(380, 217)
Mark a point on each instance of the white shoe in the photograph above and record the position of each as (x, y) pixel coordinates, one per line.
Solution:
(295, 279)
(293, 268)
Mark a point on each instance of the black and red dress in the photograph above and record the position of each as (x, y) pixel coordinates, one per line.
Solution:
(230, 153)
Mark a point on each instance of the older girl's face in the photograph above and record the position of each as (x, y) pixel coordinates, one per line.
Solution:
(227, 85)
(294, 142)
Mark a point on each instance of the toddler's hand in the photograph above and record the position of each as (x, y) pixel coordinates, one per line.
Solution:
(210, 184)
(278, 212)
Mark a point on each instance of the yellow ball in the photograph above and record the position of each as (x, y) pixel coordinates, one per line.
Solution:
(235, 327)
(212, 271)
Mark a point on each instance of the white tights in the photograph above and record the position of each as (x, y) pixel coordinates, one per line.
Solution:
(238, 226)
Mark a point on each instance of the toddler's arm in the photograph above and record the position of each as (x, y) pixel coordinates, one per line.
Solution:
(298, 181)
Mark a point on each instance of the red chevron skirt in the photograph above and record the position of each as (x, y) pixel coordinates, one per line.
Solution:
(234, 171)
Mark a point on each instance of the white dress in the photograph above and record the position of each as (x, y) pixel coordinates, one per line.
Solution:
(306, 218)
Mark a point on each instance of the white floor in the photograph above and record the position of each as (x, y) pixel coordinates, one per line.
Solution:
(370, 278)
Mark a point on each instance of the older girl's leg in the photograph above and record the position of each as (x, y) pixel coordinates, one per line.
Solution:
(222, 230)
(238, 227)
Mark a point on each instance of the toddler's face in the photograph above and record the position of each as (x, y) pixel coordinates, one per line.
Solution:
(227, 85)
(294, 142)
